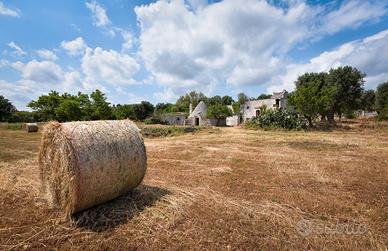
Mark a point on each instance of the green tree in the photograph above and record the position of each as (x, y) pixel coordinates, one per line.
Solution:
(143, 110)
(193, 97)
(214, 100)
(47, 105)
(162, 108)
(100, 107)
(311, 96)
(309, 100)
(307, 78)
(124, 112)
(242, 98)
(236, 108)
(6, 109)
(218, 111)
(382, 100)
(85, 105)
(69, 110)
(227, 100)
(264, 96)
(367, 102)
(25, 116)
(346, 86)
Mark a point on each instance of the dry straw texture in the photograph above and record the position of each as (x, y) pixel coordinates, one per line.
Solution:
(31, 127)
(83, 164)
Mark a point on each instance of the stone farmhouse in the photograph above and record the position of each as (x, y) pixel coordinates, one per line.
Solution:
(253, 108)
(176, 118)
(250, 109)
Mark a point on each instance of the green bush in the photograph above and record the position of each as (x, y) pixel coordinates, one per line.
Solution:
(154, 132)
(383, 113)
(153, 120)
(11, 126)
(282, 119)
(350, 114)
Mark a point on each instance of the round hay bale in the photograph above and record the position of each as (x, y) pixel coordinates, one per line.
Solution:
(31, 127)
(83, 164)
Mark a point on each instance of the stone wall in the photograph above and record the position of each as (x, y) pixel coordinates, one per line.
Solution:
(174, 119)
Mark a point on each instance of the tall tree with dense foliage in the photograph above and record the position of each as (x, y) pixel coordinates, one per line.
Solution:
(124, 111)
(236, 108)
(193, 97)
(382, 100)
(346, 86)
(69, 110)
(143, 110)
(47, 105)
(227, 100)
(100, 107)
(6, 109)
(218, 111)
(242, 98)
(309, 100)
(367, 101)
(311, 96)
(264, 96)
(214, 100)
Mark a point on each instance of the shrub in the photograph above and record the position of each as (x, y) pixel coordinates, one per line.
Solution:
(154, 132)
(383, 113)
(283, 119)
(153, 120)
(350, 115)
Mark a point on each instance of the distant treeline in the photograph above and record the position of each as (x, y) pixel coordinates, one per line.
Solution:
(68, 107)
(316, 96)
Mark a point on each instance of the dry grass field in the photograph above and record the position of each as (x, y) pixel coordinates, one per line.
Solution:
(220, 189)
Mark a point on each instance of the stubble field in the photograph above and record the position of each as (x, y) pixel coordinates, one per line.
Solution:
(224, 188)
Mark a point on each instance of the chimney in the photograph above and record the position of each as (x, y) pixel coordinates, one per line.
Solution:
(191, 108)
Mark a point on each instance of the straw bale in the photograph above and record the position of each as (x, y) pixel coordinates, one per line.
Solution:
(83, 164)
(31, 127)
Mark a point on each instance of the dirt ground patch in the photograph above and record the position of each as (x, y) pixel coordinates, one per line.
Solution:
(230, 189)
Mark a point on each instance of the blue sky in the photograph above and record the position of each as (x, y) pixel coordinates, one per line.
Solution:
(157, 50)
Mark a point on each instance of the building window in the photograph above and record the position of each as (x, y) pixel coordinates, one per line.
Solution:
(247, 107)
(177, 119)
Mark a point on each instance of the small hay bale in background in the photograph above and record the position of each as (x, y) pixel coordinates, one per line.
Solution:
(83, 164)
(31, 127)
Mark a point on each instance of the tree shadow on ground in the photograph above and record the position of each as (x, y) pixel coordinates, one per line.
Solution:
(119, 211)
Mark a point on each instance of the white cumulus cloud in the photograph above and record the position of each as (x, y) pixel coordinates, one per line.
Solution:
(108, 67)
(368, 55)
(17, 50)
(47, 54)
(37, 78)
(352, 14)
(4, 11)
(100, 18)
(192, 45)
(74, 47)
(42, 72)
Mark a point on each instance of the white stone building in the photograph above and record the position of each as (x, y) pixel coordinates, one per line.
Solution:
(176, 118)
(233, 120)
(198, 117)
(253, 108)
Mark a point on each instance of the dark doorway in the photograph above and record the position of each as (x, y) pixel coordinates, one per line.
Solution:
(277, 103)
(197, 121)
(257, 113)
